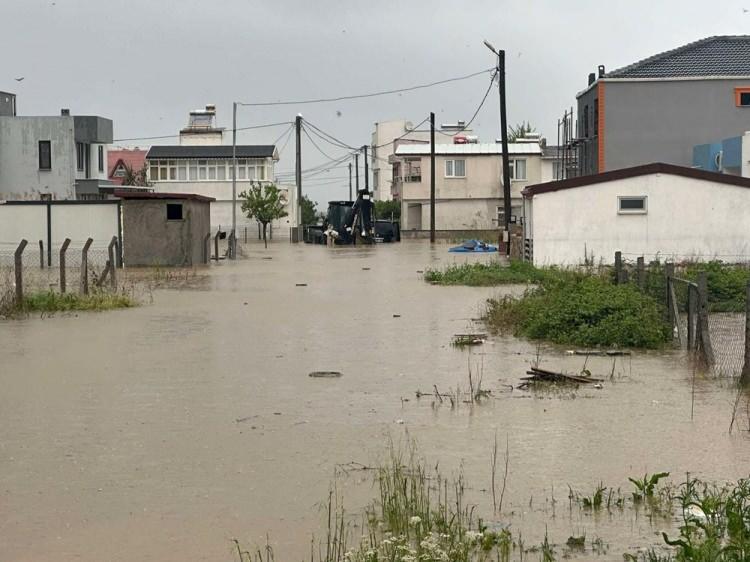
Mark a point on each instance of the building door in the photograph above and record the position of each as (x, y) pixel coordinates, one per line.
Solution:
(414, 216)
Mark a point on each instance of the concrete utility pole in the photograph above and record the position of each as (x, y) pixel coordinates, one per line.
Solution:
(350, 181)
(367, 174)
(232, 240)
(432, 177)
(504, 136)
(356, 172)
(298, 173)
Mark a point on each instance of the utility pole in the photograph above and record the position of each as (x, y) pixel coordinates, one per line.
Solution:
(232, 239)
(350, 181)
(504, 137)
(356, 172)
(367, 178)
(432, 177)
(298, 173)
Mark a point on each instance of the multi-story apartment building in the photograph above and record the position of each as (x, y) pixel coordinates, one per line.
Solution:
(52, 157)
(658, 109)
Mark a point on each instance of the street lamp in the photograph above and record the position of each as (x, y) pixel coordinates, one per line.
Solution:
(500, 69)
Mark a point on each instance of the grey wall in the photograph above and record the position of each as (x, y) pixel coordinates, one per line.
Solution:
(588, 148)
(655, 121)
(92, 129)
(7, 104)
(150, 239)
(20, 176)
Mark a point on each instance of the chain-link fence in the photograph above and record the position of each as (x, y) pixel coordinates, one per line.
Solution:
(705, 302)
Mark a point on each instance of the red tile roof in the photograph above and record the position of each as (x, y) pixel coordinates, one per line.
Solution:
(134, 159)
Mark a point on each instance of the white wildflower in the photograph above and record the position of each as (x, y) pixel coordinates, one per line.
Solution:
(415, 520)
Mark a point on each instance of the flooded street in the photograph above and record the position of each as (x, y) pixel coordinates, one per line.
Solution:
(160, 433)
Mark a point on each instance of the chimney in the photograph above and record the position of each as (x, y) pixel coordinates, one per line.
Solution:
(65, 112)
(592, 78)
(601, 71)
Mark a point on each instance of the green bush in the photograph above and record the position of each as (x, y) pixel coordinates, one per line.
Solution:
(483, 274)
(582, 310)
(726, 284)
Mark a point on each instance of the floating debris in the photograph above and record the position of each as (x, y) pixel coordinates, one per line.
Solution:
(461, 340)
(365, 269)
(537, 375)
(397, 316)
(300, 284)
(325, 374)
(598, 352)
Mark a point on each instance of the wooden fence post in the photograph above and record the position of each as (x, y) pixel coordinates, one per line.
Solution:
(41, 255)
(691, 317)
(703, 334)
(63, 249)
(85, 267)
(640, 266)
(216, 245)
(112, 262)
(618, 267)
(245, 235)
(668, 275)
(745, 376)
(18, 265)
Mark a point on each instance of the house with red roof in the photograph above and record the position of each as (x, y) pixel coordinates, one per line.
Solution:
(121, 159)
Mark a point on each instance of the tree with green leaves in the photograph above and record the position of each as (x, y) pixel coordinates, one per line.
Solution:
(520, 131)
(264, 203)
(388, 209)
(309, 211)
(135, 177)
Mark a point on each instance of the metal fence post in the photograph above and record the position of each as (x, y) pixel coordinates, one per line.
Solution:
(641, 269)
(245, 235)
(41, 254)
(207, 248)
(112, 262)
(85, 267)
(745, 376)
(18, 265)
(690, 317)
(704, 338)
(216, 245)
(63, 249)
(618, 267)
(668, 275)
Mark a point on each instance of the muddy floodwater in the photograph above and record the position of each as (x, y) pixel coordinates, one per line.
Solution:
(160, 433)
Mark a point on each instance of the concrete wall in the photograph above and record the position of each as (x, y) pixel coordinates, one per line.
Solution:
(661, 121)
(453, 214)
(382, 171)
(75, 220)
(150, 239)
(20, 176)
(686, 218)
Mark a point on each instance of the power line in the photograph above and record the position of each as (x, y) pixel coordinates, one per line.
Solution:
(481, 103)
(304, 130)
(177, 136)
(370, 95)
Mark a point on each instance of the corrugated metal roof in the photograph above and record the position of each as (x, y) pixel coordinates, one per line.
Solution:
(210, 151)
(721, 55)
(468, 149)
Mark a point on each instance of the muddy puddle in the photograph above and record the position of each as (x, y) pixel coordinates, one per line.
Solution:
(160, 433)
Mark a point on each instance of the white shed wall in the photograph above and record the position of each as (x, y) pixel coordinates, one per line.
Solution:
(686, 218)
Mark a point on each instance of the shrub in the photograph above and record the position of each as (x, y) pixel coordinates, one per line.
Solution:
(483, 274)
(50, 301)
(585, 311)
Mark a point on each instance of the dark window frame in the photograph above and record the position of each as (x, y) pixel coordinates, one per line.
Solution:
(171, 216)
(45, 163)
(629, 209)
(80, 158)
(101, 158)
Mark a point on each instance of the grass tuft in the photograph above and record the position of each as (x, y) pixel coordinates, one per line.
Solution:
(50, 301)
(485, 274)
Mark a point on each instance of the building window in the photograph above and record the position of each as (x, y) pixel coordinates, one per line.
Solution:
(45, 155)
(742, 96)
(455, 168)
(586, 121)
(518, 169)
(631, 205)
(80, 156)
(101, 158)
(174, 211)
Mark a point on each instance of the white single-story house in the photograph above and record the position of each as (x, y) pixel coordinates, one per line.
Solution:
(659, 211)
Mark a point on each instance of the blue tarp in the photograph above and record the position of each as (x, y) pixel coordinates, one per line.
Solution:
(474, 246)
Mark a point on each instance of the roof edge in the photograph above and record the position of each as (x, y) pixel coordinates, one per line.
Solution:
(635, 171)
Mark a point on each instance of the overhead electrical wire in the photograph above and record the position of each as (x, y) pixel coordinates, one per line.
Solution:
(369, 95)
(177, 136)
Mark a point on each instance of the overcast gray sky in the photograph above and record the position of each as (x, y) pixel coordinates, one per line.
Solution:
(145, 63)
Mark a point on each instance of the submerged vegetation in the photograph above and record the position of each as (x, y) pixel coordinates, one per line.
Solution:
(484, 274)
(582, 310)
(51, 301)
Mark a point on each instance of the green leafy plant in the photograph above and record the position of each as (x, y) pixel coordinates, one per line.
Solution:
(264, 203)
(645, 487)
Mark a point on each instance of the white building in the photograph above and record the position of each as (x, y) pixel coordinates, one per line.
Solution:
(203, 165)
(468, 184)
(389, 134)
(656, 211)
(52, 157)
